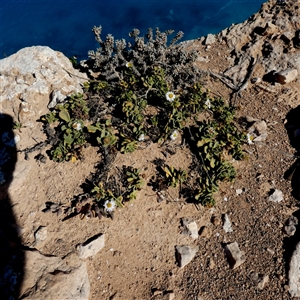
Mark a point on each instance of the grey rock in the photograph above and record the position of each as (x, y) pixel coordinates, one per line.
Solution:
(91, 247)
(30, 76)
(215, 220)
(171, 296)
(190, 228)
(290, 230)
(56, 97)
(54, 278)
(238, 72)
(263, 282)
(210, 39)
(292, 220)
(259, 131)
(205, 232)
(235, 256)
(239, 191)
(294, 273)
(40, 235)
(184, 254)
(276, 196)
(286, 76)
(227, 224)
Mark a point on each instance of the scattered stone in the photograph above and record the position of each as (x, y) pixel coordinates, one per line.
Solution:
(294, 273)
(227, 224)
(292, 220)
(190, 228)
(211, 263)
(210, 39)
(205, 232)
(215, 220)
(157, 292)
(91, 247)
(276, 196)
(184, 254)
(235, 256)
(262, 283)
(40, 235)
(258, 131)
(286, 76)
(171, 296)
(290, 228)
(239, 191)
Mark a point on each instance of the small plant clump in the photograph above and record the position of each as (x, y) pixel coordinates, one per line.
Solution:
(147, 91)
(99, 200)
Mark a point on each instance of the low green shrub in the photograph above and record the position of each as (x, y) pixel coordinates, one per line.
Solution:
(151, 91)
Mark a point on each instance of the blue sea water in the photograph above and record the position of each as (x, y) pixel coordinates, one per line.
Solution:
(66, 25)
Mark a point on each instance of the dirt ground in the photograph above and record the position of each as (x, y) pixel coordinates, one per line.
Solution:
(139, 261)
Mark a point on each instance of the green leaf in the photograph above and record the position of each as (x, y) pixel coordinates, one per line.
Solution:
(201, 142)
(68, 139)
(64, 115)
(92, 129)
(212, 162)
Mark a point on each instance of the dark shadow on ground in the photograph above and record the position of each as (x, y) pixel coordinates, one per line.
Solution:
(293, 174)
(11, 255)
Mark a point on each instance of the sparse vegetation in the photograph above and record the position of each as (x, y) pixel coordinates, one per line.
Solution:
(147, 91)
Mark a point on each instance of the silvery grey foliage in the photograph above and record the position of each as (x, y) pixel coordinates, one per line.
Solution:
(146, 52)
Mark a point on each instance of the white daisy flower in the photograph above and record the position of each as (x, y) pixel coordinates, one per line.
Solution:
(174, 135)
(129, 64)
(77, 126)
(207, 103)
(141, 137)
(170, 96)
(250, 138)
(110, 205)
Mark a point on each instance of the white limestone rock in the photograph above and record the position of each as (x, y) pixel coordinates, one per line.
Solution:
(210, 39)
(294, 273)
(286, 76)
(91, 247)
(227, 224)
(54, 278)
(30, 76)
(235, 256)
(185, 254)
(276, 196)
(190, 228)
